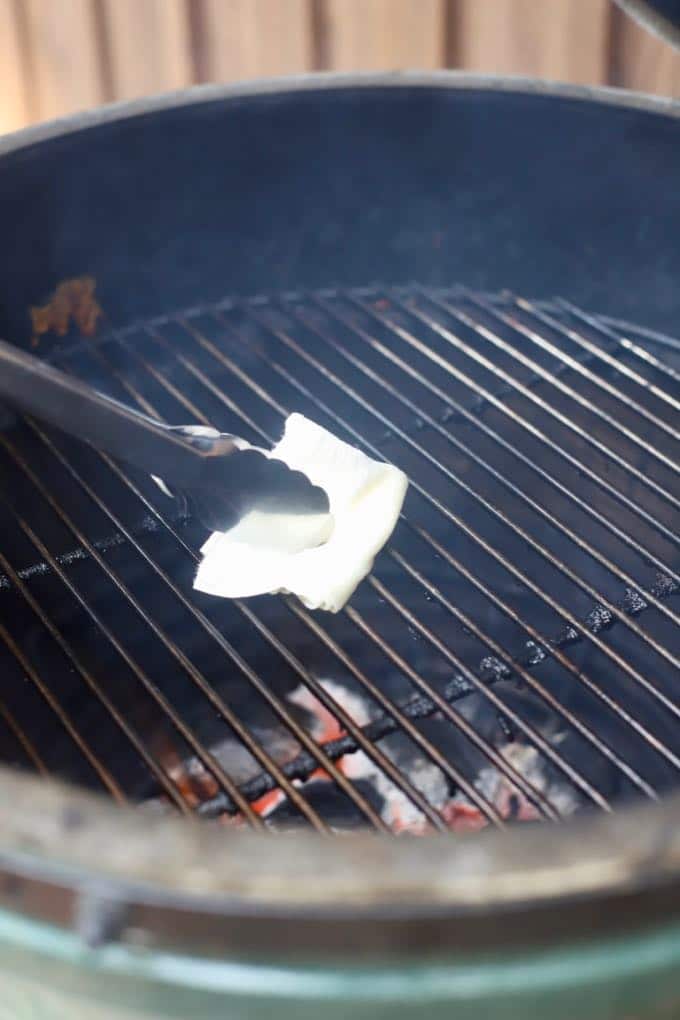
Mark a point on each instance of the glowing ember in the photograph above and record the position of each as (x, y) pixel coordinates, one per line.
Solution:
(269, 802)
(197, 785)
(463, 817)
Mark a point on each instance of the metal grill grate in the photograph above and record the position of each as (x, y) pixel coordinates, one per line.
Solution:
(513, 653)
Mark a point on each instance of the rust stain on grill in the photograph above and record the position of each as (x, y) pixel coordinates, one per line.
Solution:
(72, 303)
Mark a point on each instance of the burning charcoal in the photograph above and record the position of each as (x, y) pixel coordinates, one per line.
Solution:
(395, 807)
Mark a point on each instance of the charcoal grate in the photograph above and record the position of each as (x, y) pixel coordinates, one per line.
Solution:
(514, 653)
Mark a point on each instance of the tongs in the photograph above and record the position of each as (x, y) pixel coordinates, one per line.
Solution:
(221, 478)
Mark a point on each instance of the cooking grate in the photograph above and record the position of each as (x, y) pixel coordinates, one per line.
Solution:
(513, 654)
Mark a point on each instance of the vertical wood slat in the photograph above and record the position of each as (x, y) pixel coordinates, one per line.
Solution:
(65, 58)
(565, 40)
(14, 109)
(148, 45)
(251, 38)
(641, 61)
(384, 35)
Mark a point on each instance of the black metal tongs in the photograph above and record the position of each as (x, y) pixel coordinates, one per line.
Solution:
(220, 479)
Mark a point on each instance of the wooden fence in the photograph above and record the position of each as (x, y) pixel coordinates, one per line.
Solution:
(59, 56)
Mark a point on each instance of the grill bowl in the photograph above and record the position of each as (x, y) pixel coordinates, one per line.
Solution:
(324, 183)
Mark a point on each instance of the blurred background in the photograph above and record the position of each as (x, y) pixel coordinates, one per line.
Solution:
(60, 56)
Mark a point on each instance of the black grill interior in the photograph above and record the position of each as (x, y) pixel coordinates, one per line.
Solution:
(514, 654)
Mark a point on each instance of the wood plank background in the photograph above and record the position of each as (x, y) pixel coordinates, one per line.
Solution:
(59, 56)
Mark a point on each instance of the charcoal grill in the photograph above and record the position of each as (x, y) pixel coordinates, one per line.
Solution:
(512, 659)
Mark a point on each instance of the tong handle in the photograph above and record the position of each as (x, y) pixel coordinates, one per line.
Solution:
(36, 387)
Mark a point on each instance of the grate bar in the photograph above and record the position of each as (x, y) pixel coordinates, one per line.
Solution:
(614, 363)
(481, 426)
(453, 774)
(104, 774)
(604, 323)
(338, 365)
(446, 709)
(531, 681)
(394, 710)
(80, 668)
(446, 650)
(459, 721)
(518, 419)
(519, 387)
(242, 732)
(252, 745)
(335, 708)
(650, 739)
(565, 614)
(283, 411)
(301, 767)
(577, 366)
(208, 760)
(24, 742)
(485, 394)
(480, 499)
(480, 686)
(579, 674)
(438, 427)
(316, 688)
(514, 667)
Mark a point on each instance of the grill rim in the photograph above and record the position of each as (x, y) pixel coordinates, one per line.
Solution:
(331, 80)
(631, 858)
(239, 892)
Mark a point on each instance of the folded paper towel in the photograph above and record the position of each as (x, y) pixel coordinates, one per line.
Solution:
(261, 554)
